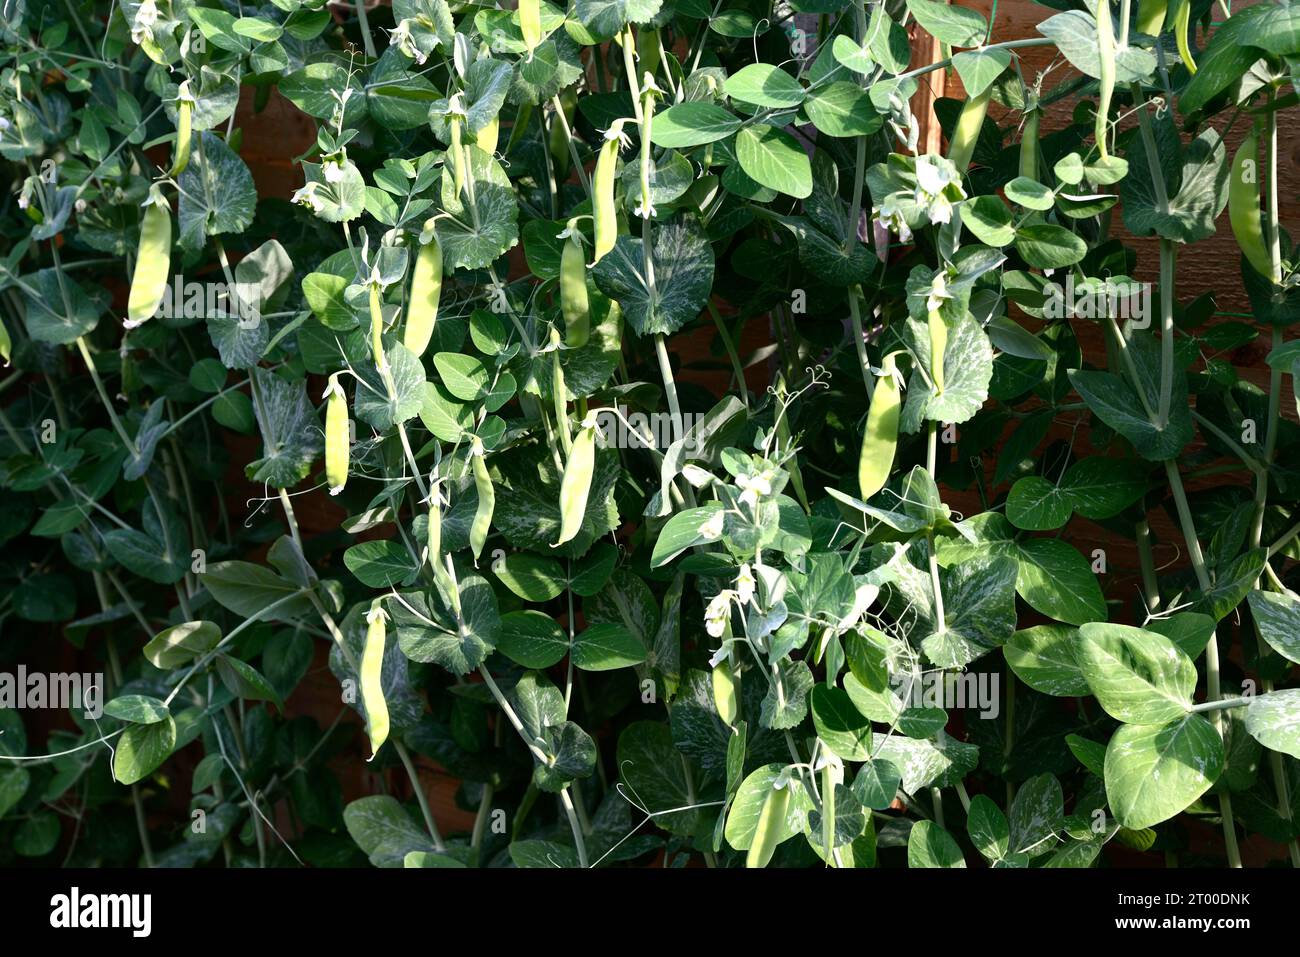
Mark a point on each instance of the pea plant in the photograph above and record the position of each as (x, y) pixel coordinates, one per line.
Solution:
(515, 448)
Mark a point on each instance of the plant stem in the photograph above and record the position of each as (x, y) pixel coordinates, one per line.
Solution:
(364, 22)
(420, 796)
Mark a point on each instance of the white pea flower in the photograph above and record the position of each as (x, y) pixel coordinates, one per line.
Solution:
(145, 18)
(615, 132)
(938, 292)
(712, 528)
(890, 216)
(718, 614)
(333, 167)
(306, 196)
(938, 187)
(4, 126)
(745, 584)
(645, 210)
(402, 39)
(754, 487)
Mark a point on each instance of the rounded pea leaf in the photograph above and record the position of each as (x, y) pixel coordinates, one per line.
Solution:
(1154, 771)
(532, 639)
(142, 749)
(1137, 676)
(692, 124)
(773, 158)
(1273, 720)
(1045, 246)
(1043, 658)
(929, 845)
(607, 646)
(762, 84)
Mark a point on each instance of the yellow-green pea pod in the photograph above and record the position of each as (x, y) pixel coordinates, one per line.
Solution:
(962, 145)
(604, 212)
(457, 154)
(560, 393)
(6, 344)
(1182, 27)
(435, 525)
(1029, 144)
(725, 697)
(337, 446)
(487, 500)
(1151, 16)
(153, 261)
(1243, 206)
(771, 827)
(938, 345)
(1106, 81)
(830, 772)
(574, 304)
(372, 673)
(426, 289)
(575, 487)
(530, 24)
(376, 326)
(486, 138)
(880, 437)
(184, 125)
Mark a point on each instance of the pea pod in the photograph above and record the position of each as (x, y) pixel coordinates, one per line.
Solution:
(575, 487)
(832, 773)
(1243, 206)
(725, 698)
(1151, 16)
(962, 145)
(426, 289)
(487, 500)
(881, 434)
(574, 303)
(1029, 143)
(530, 24)
(486, 137)
(372, 673)
(1106, 81)
(184, 125)
(1182, 27)
(938, 345)
(604, 212)
(377, 326)
(152, 261)
(6, 344)
(771, 827)
(336, 436)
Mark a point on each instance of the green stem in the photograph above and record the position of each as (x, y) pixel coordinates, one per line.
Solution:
(420, 796)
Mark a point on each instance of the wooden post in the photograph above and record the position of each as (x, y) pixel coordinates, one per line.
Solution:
(925, 50)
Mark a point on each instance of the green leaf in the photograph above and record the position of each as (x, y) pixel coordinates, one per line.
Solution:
(1273, 720)
(249, 590)
(604, 18)
(607, 646)
(988, 828)
(762, 84)
(979, 68)
(1154, 771)
(531, 577)
(1099, 487)
(785, 711)
(683, 278)
(1043, 658)
(1075, 35)
(877, 784)
(137, 708)
(747, 805)
(142, 749)
(951, 24)
(1037, 813)
(653, 769)
(532, 639)
(1137, 676)
(291, 434)
(1278, 619)
(968, 359)
(681, 532)
(773, 158)
(692, 124)
(384, 831)
(979, 611)
(1037, 504)
(1045, 246)
(47, 320)
(841, 726)
(181, 644)
(929, 845)
(1113, 401)
(474, 238)
(989, 219)
(1196, 185)
(843, 109)
(217, 194)
(465, 377)
(381, 563)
